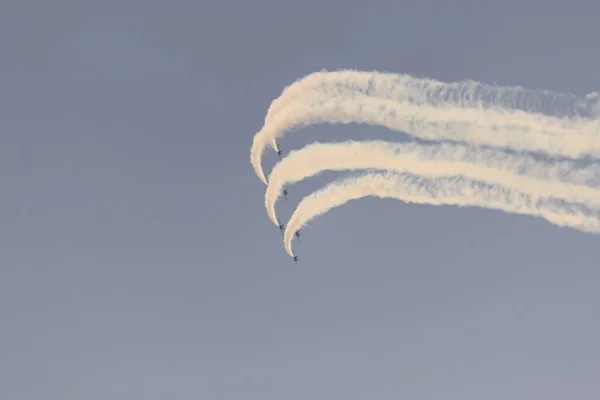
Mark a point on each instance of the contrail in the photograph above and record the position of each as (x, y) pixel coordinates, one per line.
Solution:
(472, 112)
(441, 191)
(403, 87)
(562, 180)
(512, 129)
(515, 130)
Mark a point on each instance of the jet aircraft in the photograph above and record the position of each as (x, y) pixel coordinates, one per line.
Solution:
(285, 193)
(279, 152)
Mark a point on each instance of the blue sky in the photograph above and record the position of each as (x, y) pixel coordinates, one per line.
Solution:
(137, 260)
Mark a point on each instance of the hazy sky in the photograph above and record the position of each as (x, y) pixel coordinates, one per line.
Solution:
(136, 257)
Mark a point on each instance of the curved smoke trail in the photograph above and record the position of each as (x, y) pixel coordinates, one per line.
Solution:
(442, 191)
(492, 126)
(562, 180)
(511, 118)
(403, 87)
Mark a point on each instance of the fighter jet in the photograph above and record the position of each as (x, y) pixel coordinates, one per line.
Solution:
(279, 152)
(296, 259)
(285, 193)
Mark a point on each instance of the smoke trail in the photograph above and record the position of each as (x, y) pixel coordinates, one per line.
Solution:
(500, 127)
(403, 87)
(442, 191)
(525, 174)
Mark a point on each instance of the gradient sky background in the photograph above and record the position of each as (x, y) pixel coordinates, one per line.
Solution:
(137, 260)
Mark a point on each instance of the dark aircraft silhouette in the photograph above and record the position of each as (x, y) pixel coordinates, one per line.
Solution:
(296, 259)
(279, 152)
(281, 226)
(297, 233)
(285, 193)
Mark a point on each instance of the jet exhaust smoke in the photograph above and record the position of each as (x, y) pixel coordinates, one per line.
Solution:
(502, 128)
(403, 87)
(563, 179)
(480, 114)
(506, 148)
(441, 191)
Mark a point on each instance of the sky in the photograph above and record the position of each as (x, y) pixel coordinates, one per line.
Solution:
(136, 257)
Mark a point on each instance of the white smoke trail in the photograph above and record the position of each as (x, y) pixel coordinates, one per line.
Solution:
(499, 127)
(403, 87)
(442, 191)
(562, 180)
